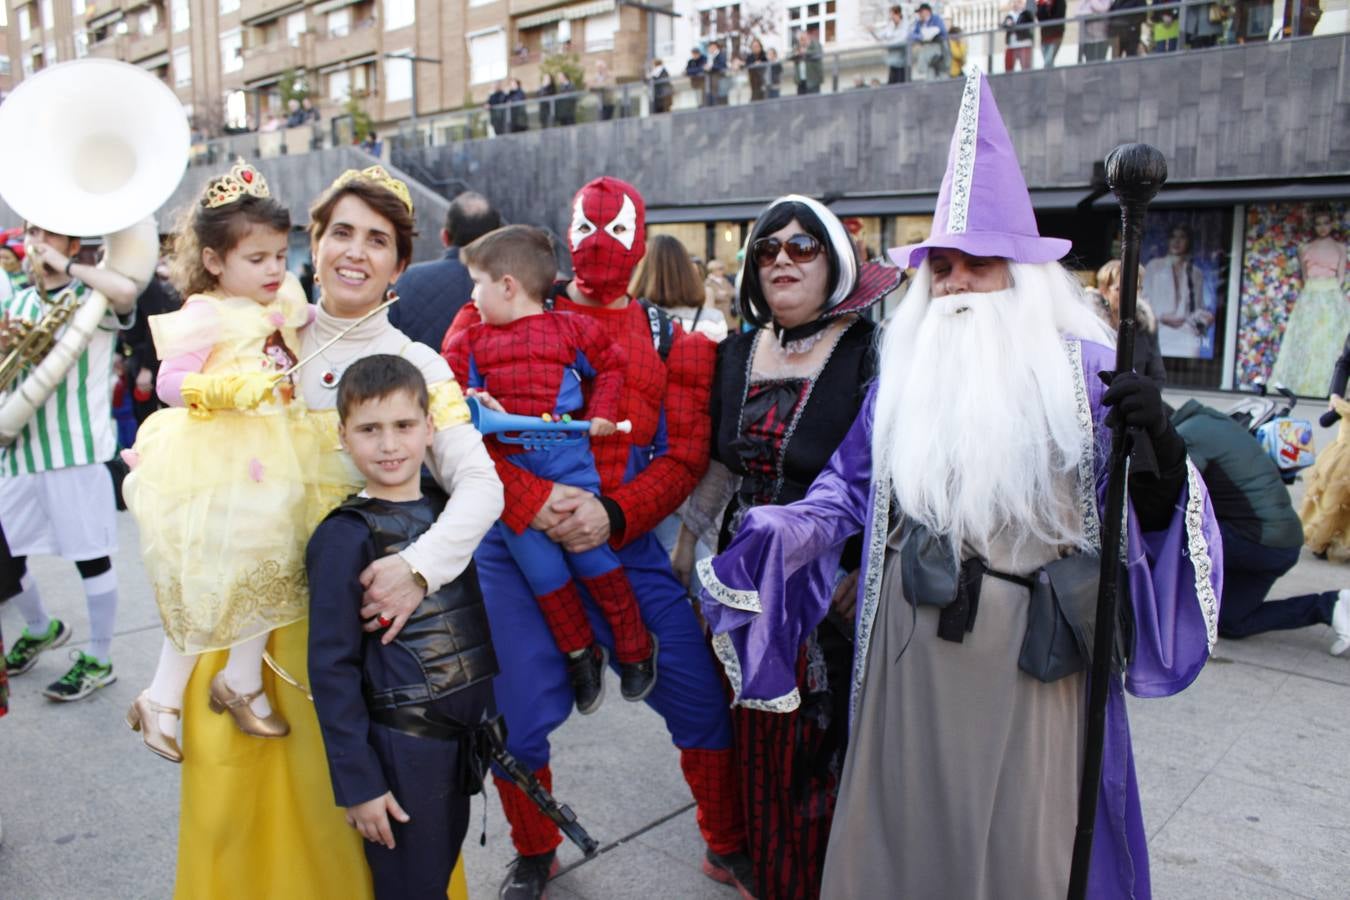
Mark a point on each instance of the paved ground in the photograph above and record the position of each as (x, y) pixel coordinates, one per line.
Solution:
(1243, 776)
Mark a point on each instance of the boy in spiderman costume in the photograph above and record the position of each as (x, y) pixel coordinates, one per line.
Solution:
(644, 476)
(529, 361)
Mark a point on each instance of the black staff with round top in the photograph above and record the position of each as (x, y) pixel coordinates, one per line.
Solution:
(1135, 173)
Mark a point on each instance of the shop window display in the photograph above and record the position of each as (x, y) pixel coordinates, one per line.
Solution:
(1295, 310)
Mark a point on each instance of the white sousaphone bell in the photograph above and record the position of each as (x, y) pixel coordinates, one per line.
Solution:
(93, 147)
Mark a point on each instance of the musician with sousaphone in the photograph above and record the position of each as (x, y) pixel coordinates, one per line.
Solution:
(110, 150)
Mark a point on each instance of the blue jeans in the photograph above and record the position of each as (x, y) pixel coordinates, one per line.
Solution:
(1249, 572)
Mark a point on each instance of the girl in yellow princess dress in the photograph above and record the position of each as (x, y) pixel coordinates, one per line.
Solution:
(218, 485)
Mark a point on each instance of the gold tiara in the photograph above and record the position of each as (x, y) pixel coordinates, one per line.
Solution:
(240, 180)
(378, 176)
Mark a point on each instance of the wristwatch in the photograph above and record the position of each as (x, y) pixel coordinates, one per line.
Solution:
(419, 578)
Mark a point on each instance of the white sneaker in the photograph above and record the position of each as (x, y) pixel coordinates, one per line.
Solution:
(1340, 623)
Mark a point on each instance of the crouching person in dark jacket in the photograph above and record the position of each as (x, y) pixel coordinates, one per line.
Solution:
(1262, 534)
(398, 719)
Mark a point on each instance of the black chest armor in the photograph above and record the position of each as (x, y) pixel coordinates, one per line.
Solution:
(448, 633)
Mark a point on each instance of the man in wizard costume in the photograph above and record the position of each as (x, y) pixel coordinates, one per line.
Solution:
(977, 475)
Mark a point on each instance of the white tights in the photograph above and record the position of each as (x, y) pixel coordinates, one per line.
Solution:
(243, 675)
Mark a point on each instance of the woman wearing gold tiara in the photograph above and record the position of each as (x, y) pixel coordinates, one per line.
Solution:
(266, 808)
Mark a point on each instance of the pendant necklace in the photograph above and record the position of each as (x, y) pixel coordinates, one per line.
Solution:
(332, 372)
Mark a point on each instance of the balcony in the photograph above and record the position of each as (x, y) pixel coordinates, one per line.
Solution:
(273, 59)
(93, 9)
(112, 47)
(142, 46)
(255, 11)
(341, 44)
(520, 7)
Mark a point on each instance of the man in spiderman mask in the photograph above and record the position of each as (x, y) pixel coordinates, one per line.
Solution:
(644, 476)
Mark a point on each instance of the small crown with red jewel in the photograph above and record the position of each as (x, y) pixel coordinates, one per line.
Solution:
(240, 180)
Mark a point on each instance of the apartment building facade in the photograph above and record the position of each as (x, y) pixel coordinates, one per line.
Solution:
(229, 60)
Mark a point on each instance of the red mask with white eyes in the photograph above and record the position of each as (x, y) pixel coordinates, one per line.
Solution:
(607, 237)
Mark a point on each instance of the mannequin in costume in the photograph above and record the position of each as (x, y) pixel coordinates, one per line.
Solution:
(267, 807)
(644, 475)
(231, 449)
(962, 770)
(1321, 315)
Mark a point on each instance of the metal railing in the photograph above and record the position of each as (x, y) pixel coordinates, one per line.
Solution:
(1199, 25)
(1097, 39)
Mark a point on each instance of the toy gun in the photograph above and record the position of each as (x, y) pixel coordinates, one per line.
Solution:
(560, 813)
(532, 433)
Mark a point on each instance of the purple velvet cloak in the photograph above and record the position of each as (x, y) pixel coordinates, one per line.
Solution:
(772, 585)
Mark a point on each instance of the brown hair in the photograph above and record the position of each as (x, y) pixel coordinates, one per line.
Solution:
(521, 251)
(667, 276)
(220, 229)
(381, 199)
(376, 377)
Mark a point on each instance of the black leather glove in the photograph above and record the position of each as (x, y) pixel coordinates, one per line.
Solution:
(1158, 470)
(1135, 401)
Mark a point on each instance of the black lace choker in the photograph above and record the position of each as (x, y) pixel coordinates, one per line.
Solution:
(800, 332)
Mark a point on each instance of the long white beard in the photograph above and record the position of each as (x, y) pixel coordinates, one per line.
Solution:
(976, 419)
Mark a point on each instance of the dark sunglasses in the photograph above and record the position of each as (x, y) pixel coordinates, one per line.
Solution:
(801, 248)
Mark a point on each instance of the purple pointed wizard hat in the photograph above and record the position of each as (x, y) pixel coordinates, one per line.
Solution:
(983, 207)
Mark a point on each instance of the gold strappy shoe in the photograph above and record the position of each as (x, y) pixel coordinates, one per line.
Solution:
(249, 722)
(144, 717)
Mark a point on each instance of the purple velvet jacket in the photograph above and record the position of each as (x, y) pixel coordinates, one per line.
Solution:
(773, 584)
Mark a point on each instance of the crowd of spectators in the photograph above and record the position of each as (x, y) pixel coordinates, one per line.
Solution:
(916, 39)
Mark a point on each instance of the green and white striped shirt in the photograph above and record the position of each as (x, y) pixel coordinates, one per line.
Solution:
(75, 426)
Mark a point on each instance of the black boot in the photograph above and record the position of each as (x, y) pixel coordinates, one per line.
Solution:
(528, 877)
(587, 674)
(636, 680)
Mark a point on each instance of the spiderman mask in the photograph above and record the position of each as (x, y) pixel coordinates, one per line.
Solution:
(607, 237)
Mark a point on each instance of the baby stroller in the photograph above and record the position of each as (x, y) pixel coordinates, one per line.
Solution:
(1287, 440)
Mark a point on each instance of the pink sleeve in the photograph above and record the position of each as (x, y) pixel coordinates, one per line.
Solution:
(169, 383)
(172, 371)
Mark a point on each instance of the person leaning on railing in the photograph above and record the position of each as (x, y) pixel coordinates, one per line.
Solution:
(757, 67)
(928, 40)
(1124, 29)
(809, 62)
(663, 92)
(1094, 33)
(1020, 35)
(719, 82)
(894, 33)
(694, 70)
(1051, 12)
(956, 49)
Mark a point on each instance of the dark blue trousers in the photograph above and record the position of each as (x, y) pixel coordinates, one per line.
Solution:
(1249, 572)
(423, 775)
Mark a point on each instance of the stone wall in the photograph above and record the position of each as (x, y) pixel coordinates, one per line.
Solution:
(1259, 111)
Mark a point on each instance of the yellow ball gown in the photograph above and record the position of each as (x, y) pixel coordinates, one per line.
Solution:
(221, 500)
(258, 816)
